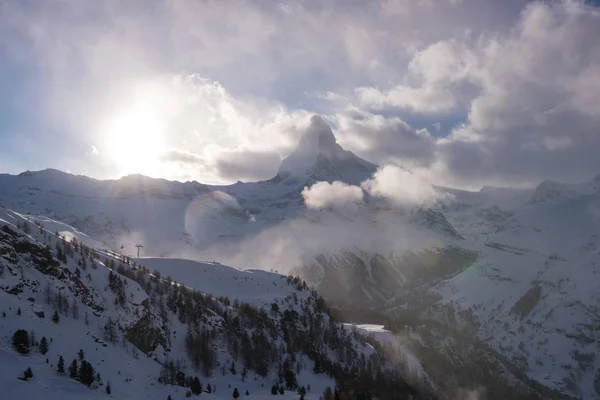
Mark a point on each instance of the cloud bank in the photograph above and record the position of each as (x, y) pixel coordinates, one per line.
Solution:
(325, 194)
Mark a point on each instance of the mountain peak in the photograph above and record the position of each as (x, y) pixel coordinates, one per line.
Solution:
(319, 138)
(319, 156)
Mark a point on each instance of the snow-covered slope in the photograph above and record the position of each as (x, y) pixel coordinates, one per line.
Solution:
(533, 289)
(256, 287)
(136, 329)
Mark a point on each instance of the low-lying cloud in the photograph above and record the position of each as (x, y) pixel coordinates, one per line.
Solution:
(325, 194)
(402, 187)
(395, 184)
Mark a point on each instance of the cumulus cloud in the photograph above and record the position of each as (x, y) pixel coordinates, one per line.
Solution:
(385, 139)
(325, 194)
(402, 187)
(439, 73)
(395, 184)
(530, 98)
(537, 114)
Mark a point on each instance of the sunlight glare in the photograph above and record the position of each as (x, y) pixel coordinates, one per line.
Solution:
(134, 140)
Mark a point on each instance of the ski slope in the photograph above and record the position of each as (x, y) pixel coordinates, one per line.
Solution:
(256, 287)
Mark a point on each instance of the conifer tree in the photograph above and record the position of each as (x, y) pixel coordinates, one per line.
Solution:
(61, 365)
(235, 394)
(73, 370)
(108, 387)
(44, 345)
(196, 386)
(55, 317)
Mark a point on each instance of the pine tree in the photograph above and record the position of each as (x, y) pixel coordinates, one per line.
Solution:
(20, 341)
(247, 393)
(44, 345)
(19, 311)
(209, 388)
(81, 354)
(108, 387)
(169, 397)
(196, 386)
(73, 370)
(61, 365)
(28, 373)
(274, 390)
(55, 317)
(235, 394)
(232, 369)
(86, 373)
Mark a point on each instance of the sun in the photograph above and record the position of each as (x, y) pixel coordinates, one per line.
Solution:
(134, 140)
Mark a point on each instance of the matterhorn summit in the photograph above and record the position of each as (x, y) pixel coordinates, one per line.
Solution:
(320, 157)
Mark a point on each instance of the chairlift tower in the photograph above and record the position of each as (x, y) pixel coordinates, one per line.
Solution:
(139, 246)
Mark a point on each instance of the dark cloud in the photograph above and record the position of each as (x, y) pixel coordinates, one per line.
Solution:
(181, 156)
(386, 139)
(538, 116)
(248, 165)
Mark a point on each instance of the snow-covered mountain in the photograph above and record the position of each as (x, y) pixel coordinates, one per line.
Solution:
(147, 336)
(532, 291)
(261, 224)
(512, 270)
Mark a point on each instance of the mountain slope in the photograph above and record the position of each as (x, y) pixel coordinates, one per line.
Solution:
(114, 310)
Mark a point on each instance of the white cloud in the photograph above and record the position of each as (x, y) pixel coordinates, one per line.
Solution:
(325, 194)
(531, 98)
(537, 113)
(402, 187)
(436, 73)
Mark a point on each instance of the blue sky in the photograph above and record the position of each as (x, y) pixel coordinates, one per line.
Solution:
(462, 92)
